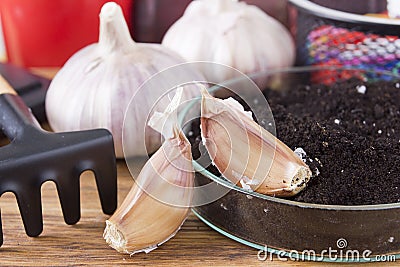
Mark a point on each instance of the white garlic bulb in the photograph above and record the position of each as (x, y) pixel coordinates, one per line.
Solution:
(94, 87)
(393, 8)
(230, 33)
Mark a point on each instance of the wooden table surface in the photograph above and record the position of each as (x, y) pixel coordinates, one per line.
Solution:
(82, 244)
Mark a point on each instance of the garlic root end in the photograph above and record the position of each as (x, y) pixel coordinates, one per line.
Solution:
(114, 237)
(300, 179)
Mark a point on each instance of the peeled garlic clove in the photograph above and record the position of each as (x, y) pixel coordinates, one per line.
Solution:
(159, 201)
(246, 153)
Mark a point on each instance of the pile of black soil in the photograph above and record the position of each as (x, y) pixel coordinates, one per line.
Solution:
(351, 134)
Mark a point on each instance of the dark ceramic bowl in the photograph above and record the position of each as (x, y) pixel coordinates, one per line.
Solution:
(281, 226)
(339, 33)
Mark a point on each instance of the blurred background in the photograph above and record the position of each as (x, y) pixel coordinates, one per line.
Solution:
(152, 18)
(2, 47)
(47, 32)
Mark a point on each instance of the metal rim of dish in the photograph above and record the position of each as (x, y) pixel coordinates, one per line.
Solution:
(279, 252)
(340, 15)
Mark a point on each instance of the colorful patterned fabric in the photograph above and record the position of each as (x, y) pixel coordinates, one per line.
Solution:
(333, 46)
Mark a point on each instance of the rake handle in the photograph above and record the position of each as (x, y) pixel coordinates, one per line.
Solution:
(5, 87)
(15, 115)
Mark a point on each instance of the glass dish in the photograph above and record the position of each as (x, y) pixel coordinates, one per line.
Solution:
(292, 228)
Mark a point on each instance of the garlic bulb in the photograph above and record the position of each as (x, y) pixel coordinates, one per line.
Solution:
(159, 201)
(230, 33)
(393, 8)
(246, 153)
(94, 87)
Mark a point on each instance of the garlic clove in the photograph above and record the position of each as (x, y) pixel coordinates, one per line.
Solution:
(159, 201)
(247, 154)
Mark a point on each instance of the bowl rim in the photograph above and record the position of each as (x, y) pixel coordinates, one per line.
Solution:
(330, 13)
(223, 182)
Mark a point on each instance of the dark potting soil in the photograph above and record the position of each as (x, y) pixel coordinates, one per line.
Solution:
(351, 134)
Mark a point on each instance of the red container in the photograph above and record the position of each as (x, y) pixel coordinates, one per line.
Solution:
(45, 33)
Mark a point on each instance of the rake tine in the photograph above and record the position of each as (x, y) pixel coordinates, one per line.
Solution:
(1, 231)
(30, 207)
(107, 189)
(69, 195)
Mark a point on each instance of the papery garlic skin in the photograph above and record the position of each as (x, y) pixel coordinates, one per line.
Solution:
(247, 154)
(230, 33)
(159, 201)
(94, 87)
(142, 223)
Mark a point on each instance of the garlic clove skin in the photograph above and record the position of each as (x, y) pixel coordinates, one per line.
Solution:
(231, 33)
(94, 87)
(142, 223)
(159, 201)
(247, 154)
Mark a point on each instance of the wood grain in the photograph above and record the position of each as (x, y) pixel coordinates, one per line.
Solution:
(82, 244)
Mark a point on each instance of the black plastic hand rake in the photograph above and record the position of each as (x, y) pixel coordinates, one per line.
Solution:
(35, 156)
